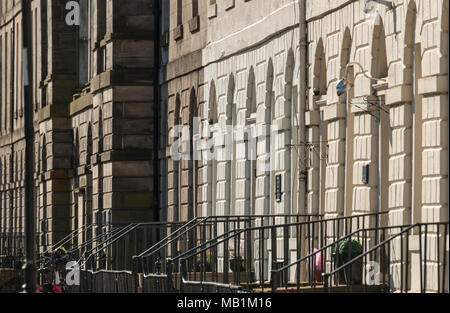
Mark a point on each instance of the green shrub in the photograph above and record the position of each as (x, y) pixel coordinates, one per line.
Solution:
(341, 248)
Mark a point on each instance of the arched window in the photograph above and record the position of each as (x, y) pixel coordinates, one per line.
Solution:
(345, 54)
(251, 144)
(89, 145)
(177, 166)
(320, 71)
(270, 151)
(76, 152)
(193, 164)
(231, 114)
(379, 67)
(212, 163)
(44, 155)
(100, 131)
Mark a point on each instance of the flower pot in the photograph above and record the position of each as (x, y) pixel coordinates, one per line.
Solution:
(237, 265)
(352, 274)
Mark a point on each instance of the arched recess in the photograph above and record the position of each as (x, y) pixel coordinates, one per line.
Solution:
(101, 217)
(346, 72)
(250, 142)
(212, 162)
(269, 158)
(76, 221)
(379, 67)
(379, 161)
(193, 157)
(412, 60)
(88, 214)
(320, 71)
(291, 107)
(177, 166)
(43, 223)
(231, 114)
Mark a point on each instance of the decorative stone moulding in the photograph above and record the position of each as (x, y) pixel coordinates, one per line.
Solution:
(194, 24)
(178, 33)
(212, 10)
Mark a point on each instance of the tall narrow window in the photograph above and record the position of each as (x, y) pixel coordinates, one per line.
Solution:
(83, 45)
(101, 32)
(194, 8)
(44, 52)
(179, 12)
(320, 71)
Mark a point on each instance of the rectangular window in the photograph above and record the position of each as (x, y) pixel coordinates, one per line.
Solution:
(44, 52)
(83, 45)
(194, 8)
(101, 32)
(179, 12)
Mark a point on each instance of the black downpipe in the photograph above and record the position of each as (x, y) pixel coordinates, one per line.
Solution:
(29, 267)
(156, 103)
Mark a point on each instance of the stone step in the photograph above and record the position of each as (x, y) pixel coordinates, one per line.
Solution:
(10, 280)
(304, 288)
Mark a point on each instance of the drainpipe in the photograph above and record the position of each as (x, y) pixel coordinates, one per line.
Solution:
(156, 103)
(302, 109)
(29, 267)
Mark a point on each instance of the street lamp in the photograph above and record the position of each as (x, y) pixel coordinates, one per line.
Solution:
(345, 84)
(367, 7)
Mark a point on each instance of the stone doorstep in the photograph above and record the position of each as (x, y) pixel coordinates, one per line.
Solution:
(10, 280)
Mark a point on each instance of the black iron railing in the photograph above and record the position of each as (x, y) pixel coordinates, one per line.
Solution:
(12, 249)
(212, 260)
(385, 263)
(427, 242)
(198, 231)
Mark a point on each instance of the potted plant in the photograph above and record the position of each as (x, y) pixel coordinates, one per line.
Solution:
(351, 274)
(203, 261)
(237, 264)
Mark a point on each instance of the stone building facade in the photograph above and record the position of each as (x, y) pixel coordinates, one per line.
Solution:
(93, 98)
(110, 94)
(382, 146)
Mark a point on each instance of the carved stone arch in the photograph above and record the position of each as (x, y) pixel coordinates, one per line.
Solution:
(177, 111)
(379, 67)
(193, 165)
(212, 105)
(409, 42)
(320, 70)
(251, 93)
(76, 150)
(230, 108)
(43, 156)
(269, 93)
(89, 144)
(345, 51)
(100, 131)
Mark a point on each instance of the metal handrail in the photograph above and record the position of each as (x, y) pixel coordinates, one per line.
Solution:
(383, 243)
(66, 239)
(312, 255)
(241, 218)
(240, 231)
(186, 281)
(147, 253)
(110, 241)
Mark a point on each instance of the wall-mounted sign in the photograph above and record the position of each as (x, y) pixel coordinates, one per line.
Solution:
(278, 192)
